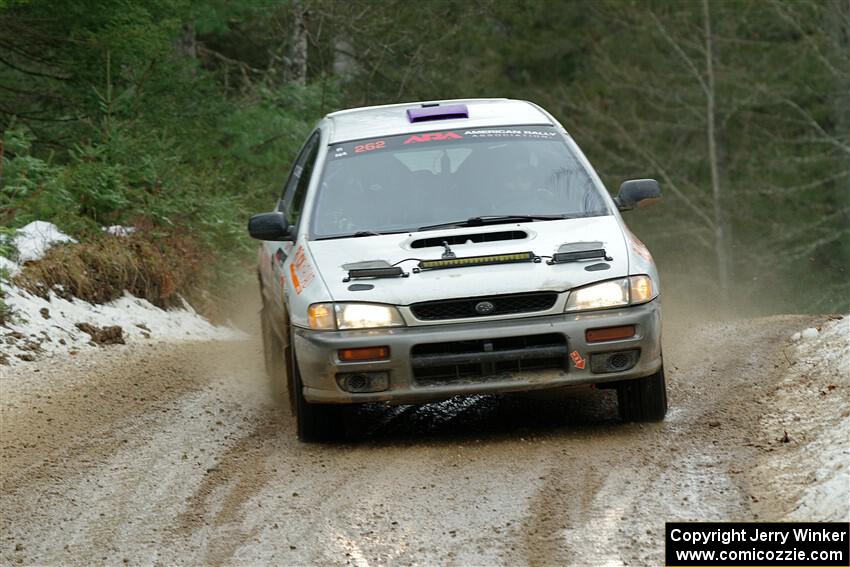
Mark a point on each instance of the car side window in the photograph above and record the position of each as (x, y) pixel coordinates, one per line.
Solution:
(299, 180)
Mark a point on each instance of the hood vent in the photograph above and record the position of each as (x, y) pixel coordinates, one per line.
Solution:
(372, 269)
(578, 251)
(475, 238)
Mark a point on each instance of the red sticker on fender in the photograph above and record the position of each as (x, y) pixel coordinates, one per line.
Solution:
(300, 271)
(639, 247)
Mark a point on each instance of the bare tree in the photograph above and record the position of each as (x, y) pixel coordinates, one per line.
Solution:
(298, 49)
(744, 129)
(708, 85)
(682, 100)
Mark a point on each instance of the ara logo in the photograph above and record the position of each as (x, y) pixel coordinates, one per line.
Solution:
(433, 137)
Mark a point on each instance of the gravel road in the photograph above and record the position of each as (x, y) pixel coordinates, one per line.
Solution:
(174, 454)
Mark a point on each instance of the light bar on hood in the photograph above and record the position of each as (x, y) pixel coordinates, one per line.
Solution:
(477, 261)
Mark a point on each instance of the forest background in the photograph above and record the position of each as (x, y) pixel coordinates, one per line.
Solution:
(181, 118)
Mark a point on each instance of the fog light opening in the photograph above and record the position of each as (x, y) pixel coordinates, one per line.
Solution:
(357, 383)
(617, 361)
(363, 382)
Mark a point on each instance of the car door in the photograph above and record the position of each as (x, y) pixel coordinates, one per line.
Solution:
(291, 204)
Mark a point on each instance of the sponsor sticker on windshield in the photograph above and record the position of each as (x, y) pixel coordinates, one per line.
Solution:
(433, 137)
(440, 139)
(536, 133)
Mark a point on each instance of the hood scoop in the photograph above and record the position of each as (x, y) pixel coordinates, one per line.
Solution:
(473, 238)
(578, 251)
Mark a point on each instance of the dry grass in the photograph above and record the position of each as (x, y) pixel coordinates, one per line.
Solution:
(159, 269)
(4, 309)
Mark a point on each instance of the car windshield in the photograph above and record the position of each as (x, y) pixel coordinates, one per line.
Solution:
(403, 183)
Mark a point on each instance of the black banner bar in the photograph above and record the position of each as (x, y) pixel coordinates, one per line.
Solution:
(757, 544)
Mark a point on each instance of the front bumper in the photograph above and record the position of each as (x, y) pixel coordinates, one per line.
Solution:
(319, 364)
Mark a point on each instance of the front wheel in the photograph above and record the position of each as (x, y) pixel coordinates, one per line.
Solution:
(274, 356)
(643, 399)
(315, 422)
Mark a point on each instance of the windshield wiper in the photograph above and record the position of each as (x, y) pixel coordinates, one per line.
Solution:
(361, 233)
(493, 219)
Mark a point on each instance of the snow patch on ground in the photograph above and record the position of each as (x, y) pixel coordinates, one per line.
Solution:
(828, 496)
(36, 238)
(48, 327)
(8, 265)
(118, 230)
(809, 428)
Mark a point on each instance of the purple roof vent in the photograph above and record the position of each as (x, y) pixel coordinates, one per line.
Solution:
(430, 112)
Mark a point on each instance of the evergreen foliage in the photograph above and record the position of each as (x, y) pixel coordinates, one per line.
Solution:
(183, 117)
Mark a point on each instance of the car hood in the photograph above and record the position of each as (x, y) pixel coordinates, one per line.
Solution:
(543, 239)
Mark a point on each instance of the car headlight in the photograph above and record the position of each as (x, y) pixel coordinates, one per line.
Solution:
(641, 289)
(321, 316)
(613, 293)
(329, 316)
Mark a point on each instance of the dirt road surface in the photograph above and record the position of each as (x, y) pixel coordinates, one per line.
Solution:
(174, 454)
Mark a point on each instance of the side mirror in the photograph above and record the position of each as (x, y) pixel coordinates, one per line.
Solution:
(269, 226)
(638, 193)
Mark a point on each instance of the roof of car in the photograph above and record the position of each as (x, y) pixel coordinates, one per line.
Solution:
(392, 119)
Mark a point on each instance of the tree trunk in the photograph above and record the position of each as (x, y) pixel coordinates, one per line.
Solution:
(185, 44)
(837, 25)
(298, 54)
(344, 64)
(720, 244)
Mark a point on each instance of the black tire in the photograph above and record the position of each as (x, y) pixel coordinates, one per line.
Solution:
(271, 343)
(643, 399)
(316, 423)
(274, 357)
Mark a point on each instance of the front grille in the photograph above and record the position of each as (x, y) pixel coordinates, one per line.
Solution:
(437, 363)
(502, 305)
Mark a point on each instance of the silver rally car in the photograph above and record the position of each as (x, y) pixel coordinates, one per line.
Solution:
(428, 250)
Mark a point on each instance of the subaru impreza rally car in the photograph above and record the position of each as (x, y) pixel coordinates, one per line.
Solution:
(428, 250)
